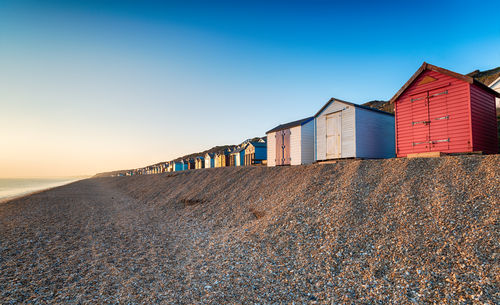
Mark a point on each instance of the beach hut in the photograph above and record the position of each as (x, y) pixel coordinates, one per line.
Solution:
(177, 166)
(291, 143)
(209, 160)
(231, 159)
(346, 130)
(495, 85)
(199, 162)
(238, 155)
(190, 163)
(217, 160)
(440, 111)
(256, 153)
(222, 158)
(227, 157)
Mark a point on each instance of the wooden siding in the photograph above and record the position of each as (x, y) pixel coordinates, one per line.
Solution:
(249, 155)
(209, 162)
(239, 158)
(178, 166)
(307, 143)
(484, 121)
(217, 161)
(295, 145)
(271, 149)
(255, 154)
(411, 109)
(375, 137)
(496, 86)
(348, 130)
(260, 153)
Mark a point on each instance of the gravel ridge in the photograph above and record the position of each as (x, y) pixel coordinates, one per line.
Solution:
(397, 231)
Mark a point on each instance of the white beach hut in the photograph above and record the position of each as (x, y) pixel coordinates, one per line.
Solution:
(209, 160)
(346, 130)
(291, 143)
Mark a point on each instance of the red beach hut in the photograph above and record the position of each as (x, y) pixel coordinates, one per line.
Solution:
(440, 111)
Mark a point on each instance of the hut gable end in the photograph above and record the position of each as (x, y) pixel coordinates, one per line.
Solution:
(416, 77)
(345, 111)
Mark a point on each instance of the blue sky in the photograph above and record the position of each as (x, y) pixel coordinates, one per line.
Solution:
(87, 86)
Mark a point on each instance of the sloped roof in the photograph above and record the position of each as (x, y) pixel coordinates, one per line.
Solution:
(486, 77)
(291, 124)
(351, 104)
(426, 66)
(493, 82)
(258, 144)
(239, 149)
(223, 152)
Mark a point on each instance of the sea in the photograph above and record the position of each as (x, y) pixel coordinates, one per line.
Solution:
(10, 188)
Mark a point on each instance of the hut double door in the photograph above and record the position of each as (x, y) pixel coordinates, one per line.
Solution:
(430, 121)
(333, 135)
(283, 147)
(249, 156)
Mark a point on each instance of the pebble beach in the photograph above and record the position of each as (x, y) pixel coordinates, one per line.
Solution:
(398, 231)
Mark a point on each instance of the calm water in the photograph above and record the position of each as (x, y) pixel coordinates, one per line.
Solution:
(16, 187)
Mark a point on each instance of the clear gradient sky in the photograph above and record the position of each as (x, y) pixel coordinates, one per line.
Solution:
(91, 86)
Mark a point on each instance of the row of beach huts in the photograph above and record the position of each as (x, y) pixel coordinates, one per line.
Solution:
(250, 152)
(437, 111)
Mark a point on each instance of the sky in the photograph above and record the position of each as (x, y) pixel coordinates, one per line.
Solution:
(93, 86)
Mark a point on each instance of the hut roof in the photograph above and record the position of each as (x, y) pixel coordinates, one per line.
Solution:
(291, 124)
(351, 104)
(494, 82)
(426, 66)
(239, 149)
(258, 144)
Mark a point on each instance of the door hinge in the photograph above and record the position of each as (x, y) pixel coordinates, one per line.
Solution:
(440, 93)
(420, 122)
(442, 118)
(440, 141)
(431, 142)
(418, 99)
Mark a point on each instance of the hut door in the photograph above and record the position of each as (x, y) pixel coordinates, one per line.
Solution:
(430, 121)
(279, 148)
(333, 135)
(420, 122)
(286, 147)
(439, 138)
(283, 147)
